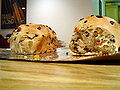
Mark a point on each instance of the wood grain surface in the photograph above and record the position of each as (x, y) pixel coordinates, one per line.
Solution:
(20, 75)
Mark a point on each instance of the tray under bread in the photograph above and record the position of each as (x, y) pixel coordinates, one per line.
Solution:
(61, 55)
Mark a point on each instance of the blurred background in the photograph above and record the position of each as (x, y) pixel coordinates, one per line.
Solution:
(60, 15)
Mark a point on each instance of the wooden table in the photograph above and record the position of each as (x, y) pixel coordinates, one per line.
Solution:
(21, 75)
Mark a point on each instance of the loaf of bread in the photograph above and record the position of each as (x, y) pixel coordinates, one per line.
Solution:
(33, 38)
(96, 35)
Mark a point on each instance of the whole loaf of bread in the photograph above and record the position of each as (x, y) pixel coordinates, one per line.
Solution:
(33, 38)
(96, 34)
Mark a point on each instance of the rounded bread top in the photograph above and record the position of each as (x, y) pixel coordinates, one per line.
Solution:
(35, 29)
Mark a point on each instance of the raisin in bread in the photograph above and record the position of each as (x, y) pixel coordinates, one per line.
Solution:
(96, 35)
(33, 38)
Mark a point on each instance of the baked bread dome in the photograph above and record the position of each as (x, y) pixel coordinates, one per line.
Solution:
(96, 34)
(33, 38)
